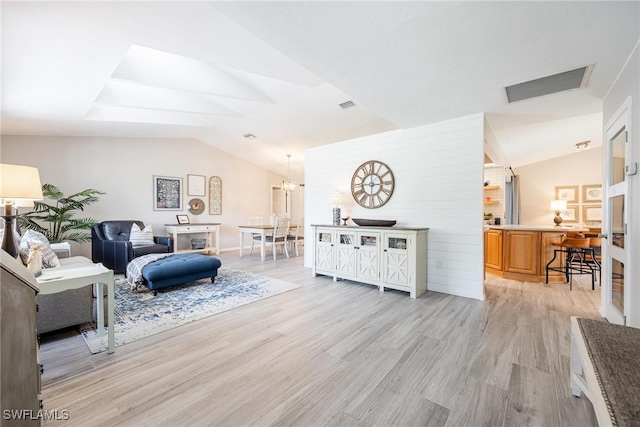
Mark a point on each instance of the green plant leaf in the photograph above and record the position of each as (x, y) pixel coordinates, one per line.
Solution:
(57, 220)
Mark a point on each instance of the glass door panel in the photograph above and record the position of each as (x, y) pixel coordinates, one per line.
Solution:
(615, 250)
(617, 285)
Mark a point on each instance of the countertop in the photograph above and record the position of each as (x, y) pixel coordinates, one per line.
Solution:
(537, 227)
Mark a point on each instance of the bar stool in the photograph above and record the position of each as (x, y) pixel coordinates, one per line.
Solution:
(579, 256)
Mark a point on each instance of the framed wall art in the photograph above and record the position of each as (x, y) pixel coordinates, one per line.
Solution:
(568, 193)
(167, 193)
(215, 195)
(592, 193)
(592, 214)
(182, 219)
(570, 214)
(196, 185)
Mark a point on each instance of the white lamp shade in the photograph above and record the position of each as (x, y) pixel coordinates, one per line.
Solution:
(335, 199)
(20, 182)
(558, 205)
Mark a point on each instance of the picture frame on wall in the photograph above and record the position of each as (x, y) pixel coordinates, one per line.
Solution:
(592, 214)
(570, 214)
(592, 193)
(167, 193)
(196, 185)
(569, 193)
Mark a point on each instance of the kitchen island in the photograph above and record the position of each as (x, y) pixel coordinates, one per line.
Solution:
(521, 252)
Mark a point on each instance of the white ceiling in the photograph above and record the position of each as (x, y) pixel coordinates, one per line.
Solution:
(219, 70)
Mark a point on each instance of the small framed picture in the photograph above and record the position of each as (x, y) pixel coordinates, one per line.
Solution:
(568, 193)
(592, 213)
(167, 193)
(182, 219)
(592, 193)
(570, 214)
(196, 185)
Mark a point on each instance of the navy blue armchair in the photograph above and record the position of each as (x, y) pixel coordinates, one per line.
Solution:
(110, 245)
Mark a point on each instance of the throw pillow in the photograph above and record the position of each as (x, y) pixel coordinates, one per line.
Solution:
(31, 237)
(139, 237)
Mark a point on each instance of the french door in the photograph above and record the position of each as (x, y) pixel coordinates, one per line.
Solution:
(616, 286)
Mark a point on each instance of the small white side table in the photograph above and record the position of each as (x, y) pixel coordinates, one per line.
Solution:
(209, 230)
(52, 281)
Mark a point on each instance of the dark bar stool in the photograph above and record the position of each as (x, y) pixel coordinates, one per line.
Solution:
(579, 256)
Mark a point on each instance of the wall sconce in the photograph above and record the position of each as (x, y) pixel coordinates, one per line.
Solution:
(558, 206)
(335, 200)
(17, 185)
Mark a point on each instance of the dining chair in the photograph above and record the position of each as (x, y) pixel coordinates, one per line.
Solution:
(255, 237)
(279, 236)
(297, 238)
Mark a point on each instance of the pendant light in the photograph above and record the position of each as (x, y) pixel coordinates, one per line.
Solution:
(288, 184)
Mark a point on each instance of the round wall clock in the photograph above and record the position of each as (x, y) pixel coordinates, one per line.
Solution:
(372, 184)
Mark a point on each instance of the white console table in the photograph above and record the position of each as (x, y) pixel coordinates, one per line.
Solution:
(208, 229)
(387, 257)
(52, 281)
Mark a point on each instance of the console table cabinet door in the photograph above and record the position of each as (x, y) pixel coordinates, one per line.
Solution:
(398, 253)
(346, 251)
(323, 250)
(521, 249)
(368, 257)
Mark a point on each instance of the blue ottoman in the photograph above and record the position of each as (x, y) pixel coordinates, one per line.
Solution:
(179, 268)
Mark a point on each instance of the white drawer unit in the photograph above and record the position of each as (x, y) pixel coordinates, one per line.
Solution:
(210, 232)
(392, 258)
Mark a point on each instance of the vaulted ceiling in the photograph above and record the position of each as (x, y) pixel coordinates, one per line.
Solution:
(222, 71)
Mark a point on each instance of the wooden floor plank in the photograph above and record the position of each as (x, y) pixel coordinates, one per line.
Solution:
(336, 353)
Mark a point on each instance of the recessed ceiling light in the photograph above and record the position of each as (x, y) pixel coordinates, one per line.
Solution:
(249, 136)
(347, 104)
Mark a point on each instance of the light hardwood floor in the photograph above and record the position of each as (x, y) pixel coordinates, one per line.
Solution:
(337, 354)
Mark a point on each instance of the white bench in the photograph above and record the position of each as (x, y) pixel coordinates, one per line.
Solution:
(605, 366)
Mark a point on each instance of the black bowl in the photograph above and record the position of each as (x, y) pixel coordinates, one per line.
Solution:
(374, 222)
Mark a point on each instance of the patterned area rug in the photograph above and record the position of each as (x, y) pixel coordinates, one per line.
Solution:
(140, 314)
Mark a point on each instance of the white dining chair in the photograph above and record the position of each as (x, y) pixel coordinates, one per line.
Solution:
(255, 237)
(297, 237)
(279, 236)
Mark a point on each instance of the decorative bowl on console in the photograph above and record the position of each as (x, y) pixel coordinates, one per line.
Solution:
(374, 222)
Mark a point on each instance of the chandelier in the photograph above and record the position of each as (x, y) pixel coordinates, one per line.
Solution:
(288, 184)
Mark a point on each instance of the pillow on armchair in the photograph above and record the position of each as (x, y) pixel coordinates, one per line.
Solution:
(139, 237)
(30, 238)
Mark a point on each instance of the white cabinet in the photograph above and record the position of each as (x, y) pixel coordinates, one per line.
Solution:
(393, 258)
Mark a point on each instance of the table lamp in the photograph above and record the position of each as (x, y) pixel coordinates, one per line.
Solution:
(335, 200)
(558, 206)
(17, 184)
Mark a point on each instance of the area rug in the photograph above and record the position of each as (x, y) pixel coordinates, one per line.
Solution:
(140, 314)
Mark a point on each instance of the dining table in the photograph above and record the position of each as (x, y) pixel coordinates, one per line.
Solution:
(263, 230)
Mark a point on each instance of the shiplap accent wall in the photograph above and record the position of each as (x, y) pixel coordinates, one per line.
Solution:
(438, 171)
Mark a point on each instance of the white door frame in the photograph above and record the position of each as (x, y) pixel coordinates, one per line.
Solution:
(621, 121)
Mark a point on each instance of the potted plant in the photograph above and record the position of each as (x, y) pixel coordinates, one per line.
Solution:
(488, 215)
(56, 221)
